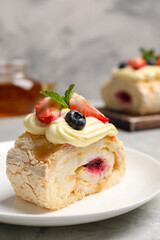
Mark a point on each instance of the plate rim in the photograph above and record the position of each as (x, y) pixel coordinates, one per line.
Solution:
(102, 214)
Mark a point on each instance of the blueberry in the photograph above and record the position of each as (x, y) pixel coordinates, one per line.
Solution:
(75, 119)
(151, 61)
(122, 65)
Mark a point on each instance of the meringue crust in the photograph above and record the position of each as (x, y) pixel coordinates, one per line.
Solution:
(54, 176)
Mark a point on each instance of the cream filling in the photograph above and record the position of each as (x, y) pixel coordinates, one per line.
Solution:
(146, 73)
(59, 132)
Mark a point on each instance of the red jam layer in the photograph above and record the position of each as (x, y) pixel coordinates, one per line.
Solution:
(97, 165)
(123, 96)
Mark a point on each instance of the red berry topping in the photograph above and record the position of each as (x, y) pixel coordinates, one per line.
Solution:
(158, 61)
(48, 110)
(79, 103)
(137, 63)
(129, 61)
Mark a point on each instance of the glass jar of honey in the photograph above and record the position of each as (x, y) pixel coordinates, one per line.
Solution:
(18, 91)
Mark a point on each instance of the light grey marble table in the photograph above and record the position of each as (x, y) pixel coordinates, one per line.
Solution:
(140, 224)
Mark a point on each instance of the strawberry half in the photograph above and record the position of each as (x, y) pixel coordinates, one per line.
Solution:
(79, 103)
(158, 61)
(137, 63)
(48, 110)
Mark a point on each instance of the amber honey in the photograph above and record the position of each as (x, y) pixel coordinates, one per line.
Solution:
(18, 91)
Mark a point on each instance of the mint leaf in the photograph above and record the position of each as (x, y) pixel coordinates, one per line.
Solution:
(63, 100)
(57, 97)
(146, 54)
(68, 93)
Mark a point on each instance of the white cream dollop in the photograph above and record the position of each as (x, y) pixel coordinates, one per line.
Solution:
(59, 132)
(32, 125)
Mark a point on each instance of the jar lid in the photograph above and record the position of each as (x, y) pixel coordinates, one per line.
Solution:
(9, 66)
(19, 62)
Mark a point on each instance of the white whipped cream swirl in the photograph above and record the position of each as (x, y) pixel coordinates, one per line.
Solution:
(59, 132)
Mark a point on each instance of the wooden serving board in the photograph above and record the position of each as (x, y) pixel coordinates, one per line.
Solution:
(132, 122)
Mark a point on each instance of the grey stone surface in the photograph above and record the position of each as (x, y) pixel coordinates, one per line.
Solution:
(80, 41)
(140, 224)
(77, 41)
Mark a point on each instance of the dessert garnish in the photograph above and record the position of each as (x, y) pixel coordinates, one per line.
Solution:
(148, 54)
(137, 63)
(75, 119)
(158, 61)
(122, 64)
(49, 108)
(148, 57)
(79, 103)
(68, 119)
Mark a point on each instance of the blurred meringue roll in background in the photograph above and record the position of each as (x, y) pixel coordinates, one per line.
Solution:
(134, 86)
(69, 150)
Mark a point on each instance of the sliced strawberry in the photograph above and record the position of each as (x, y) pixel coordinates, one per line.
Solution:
(129, 61)
(158, 61)
(79, 103)
(137, 63)
(48, 110)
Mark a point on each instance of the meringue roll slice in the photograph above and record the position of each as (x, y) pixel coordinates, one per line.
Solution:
(133, 91)
(54, 176)
(69, 150)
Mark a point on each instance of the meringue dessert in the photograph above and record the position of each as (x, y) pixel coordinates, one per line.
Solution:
(69, 150)
(134, 86)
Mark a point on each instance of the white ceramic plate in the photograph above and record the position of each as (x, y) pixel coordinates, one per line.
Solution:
(139, 185)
